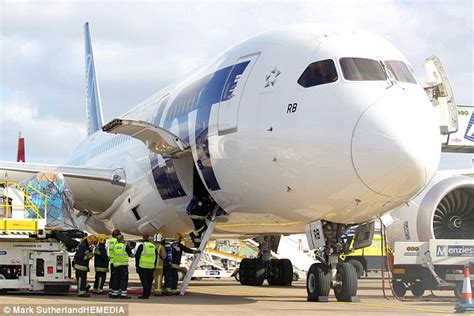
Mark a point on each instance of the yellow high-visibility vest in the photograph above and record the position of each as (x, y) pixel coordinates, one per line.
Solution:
(120, 255)
(148, 256)
(112, 243)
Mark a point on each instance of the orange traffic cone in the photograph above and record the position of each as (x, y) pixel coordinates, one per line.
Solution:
(466, 305)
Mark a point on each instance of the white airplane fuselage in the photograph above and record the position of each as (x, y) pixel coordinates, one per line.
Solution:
(274, 154)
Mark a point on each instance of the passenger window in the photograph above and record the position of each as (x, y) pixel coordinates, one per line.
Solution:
(400, 71)
(362, 69)
(320, 72)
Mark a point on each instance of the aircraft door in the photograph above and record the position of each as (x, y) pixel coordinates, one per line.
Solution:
(439, 91)
(233, 89)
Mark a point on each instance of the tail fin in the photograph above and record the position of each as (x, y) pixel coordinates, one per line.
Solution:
(94, 106)
(20, 156)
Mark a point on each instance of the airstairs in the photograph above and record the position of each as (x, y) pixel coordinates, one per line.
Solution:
(202, 247)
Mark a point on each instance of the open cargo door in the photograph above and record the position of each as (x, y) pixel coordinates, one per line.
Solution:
(157, 139)
(441, 95)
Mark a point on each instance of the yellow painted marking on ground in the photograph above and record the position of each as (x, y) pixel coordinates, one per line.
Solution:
(230, 291)
(256, 224)
(421, 309)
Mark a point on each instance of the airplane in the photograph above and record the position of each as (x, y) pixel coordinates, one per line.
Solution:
(307, 126)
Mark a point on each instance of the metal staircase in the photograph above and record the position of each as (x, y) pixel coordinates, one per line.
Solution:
(202, 247)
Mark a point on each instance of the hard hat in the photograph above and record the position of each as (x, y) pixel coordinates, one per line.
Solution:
(178, 236)
(91, 240)
(102, 238)
(158, 237)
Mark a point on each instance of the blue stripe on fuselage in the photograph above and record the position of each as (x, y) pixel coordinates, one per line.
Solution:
(200, 96)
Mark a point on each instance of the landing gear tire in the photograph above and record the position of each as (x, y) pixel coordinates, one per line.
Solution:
(286, 276)
(280, 272)
(252, 272)
(245, 272)
(274, 272)
(346, 282)
(318, 282)
(417, 289)
(399, 288)
(358, 266)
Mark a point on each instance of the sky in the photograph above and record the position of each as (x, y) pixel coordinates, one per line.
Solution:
(141, 47)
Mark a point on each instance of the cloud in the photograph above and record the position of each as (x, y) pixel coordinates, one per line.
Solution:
(141, 47)
(47, 139)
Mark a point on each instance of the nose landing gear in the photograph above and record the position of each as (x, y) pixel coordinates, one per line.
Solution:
(329, 272)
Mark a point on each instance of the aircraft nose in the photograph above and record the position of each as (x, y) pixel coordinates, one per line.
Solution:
(395, 146)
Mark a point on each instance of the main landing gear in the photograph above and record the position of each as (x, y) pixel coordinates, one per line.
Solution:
(329, 272)
(276, 271)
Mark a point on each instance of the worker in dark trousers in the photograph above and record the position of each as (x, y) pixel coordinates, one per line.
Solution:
(167, 267)
(177, 249)
(198, 210)
(112, 242)
(81, 263)
(160, 260)
(120, 282)
(145, 261)
(101, 264)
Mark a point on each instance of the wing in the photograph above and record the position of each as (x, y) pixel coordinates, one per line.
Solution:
(94, 189)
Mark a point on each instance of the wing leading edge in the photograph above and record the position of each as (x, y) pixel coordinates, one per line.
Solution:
(94, 189)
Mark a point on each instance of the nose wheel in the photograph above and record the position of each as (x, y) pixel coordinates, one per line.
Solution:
(329, 272)
(318, 283)
(345, 282)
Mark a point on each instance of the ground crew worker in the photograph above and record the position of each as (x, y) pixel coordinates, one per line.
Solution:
(81, 263)
(120, 261)
(160, 259)
(101, 264)
(198, 209)
(112, 242)
(145, 261)
(177, 248)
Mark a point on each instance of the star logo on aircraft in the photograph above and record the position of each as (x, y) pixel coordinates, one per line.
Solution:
(272, 77)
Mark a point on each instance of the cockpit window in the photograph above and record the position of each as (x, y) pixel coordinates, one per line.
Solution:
(400, 71)
(320, 72)
(361, 69)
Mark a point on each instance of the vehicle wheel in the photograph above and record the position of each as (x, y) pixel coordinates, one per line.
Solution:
(318, 282)
(358, 266)
(3, 277)
(258, 272)
(417, 289)
(286, 271)
(346, 282)
(182, 273)
(296, 276)
(236, 275)
(458, 290)
(399, 288)
(245, 272)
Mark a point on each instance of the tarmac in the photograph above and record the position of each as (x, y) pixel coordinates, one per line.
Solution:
(228, 297)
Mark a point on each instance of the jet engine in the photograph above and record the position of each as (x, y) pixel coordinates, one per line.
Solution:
(443, 210)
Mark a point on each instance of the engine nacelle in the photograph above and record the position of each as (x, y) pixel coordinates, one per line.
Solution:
(443, 210)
